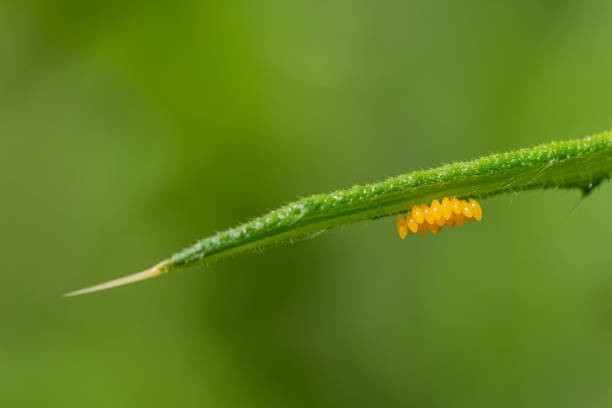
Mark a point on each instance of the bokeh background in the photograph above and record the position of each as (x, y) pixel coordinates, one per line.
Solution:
(130, 129)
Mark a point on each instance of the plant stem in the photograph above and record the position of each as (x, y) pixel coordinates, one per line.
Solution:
(582, 163)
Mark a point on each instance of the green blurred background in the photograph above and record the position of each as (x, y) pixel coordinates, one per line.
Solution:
(130, 129)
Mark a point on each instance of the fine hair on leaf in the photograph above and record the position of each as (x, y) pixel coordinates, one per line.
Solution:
(575, 164)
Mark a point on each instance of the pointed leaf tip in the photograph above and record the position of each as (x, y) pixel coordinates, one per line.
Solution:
(135, 277)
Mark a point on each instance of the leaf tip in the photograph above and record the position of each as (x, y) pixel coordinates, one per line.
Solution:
(125, 280)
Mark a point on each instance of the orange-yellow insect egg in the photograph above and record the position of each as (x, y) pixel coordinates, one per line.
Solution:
(422, 229)
(455, 205)
(428, 214)
(450, 223)
(434, 228)
(447, 211)
(476, 210)
(459, 218)
(466, 209)
(436, 208)
(402, 228)
(469, 219)
(417, 214)
(412, 225)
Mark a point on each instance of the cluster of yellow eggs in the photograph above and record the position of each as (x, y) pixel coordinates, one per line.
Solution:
(449, 212)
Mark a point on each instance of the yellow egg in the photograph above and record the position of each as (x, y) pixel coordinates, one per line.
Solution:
(455, 205)
(450, 223)
(402, 228)
(422, 229)
(417, 214)
(428, 214)
(434, 228)
(459, 218)
(446, 208)
(413, 226)
(466, 209)
(436, 208)
(476, 210)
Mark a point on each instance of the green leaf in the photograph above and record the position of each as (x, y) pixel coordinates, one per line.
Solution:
(582, 164)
